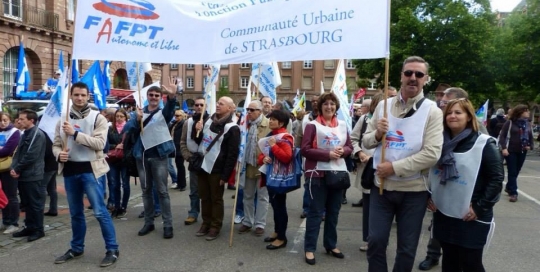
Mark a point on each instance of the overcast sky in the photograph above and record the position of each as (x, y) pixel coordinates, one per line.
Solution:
(504, 5)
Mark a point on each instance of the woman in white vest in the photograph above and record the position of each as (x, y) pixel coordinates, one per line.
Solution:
(9, 139)
(325, 144)
(466, 183)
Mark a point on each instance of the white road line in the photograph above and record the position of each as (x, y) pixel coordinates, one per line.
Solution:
(298, 242)
(520, 176)
(527, 196)
(531, 161)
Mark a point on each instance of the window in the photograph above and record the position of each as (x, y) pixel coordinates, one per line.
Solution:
(13, 9)
(349, 64)
(224, 65)
(71, 10)
(174, 66)
(328, 82)
(244, 65)
(205, 66)
(190, 83)
(307, 83)
(329, 64)
(11, 58)
(224, 82)
(308, 64)
(286, 82)
(286, 65)
(190, 66)
(244, 81)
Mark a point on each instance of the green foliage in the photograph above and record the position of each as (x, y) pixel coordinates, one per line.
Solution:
(223, 91)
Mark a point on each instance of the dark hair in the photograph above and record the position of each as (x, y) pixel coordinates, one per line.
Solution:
(266, 97)
(30, 115)
(327, 96)
(199, 97)
(517, 111)
(154, 89)
(122, 111)
(378, 97)
(80, 85)
(280, 116)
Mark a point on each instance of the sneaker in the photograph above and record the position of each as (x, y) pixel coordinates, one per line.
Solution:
(110, 257)
(190, 220)
(11, 229)
(212, 235)
(174, 186)
(364, 247)
(181, 189)
(69, 255)
(121, 213)
(238, 219)
(244, 229)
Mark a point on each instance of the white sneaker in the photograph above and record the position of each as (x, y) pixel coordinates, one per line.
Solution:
(11, 229)
(174, 186)
(238, 219)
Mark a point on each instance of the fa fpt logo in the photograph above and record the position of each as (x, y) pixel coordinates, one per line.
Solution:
(135, 9)
(396, 140)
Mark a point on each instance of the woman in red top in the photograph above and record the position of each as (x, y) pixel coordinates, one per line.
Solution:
(282, 150)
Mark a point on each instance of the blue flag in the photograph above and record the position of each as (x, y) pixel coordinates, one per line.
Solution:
(185, 107)
(94, 79)
(61, 62)
(106, 79)
(74, 71)
(23, 75)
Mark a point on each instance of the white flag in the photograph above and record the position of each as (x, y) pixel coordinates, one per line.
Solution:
(131, 68)
(54, 110)
(322, 87)
(269, 79)
(339, 88)
(210, 88)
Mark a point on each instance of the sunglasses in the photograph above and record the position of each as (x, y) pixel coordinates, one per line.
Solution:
(154, 95)
(417, 74)
(178, 115)
(198, 105)
(251, 110)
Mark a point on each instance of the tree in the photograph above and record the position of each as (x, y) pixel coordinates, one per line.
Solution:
(451, 35)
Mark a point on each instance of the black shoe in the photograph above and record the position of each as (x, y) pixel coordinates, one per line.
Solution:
(121, 213)
(168, 232)
(114, 213)
(146, 229)
(110, 257)
(338, 255)
(22, 233)
(303, 215)
(36, 235)
(229, 187)
(310, 261)
(50, 214)
(181, 189)
(157, 214)
(69, 255)
(141, 215)
(344, 201)
(359, 203)
(272, 247)
(269, 239)
(428, 263)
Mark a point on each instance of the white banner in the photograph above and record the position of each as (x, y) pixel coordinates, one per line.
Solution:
(339, 88)
(210, 88)
(230, 31)
(269, 79)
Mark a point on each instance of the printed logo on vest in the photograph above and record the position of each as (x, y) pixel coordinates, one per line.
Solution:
(459, 180)
(395, 140)
(331, 139)
(207, 139)
(77, 128)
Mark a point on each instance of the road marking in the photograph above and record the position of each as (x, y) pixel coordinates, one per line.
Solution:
(527, 196)
(299, 237)
(520, 176)
(531, 161)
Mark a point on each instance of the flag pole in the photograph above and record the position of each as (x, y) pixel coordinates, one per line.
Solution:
(207, 88)
(68, 89)
(140, 96)
(259, 81)
(237, 178)
(385, 112)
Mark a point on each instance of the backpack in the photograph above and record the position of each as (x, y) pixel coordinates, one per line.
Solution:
(282, 178)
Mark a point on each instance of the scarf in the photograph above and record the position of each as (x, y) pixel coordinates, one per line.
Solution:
(447, 161)
(9, 127)
(251, 143)
(120, 126)
(196, 117)
(77, 115)
(333, 122)
(524, 131)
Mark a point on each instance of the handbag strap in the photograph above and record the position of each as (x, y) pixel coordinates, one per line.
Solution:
(413, 110)
(215, 140)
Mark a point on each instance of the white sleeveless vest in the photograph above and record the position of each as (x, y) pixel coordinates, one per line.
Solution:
(329, 138)
(155, 132)
(405, 136)
(192, 146)
(78, 152)
(210, 157)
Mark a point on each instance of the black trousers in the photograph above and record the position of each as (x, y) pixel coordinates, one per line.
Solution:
(459, 259)
(34, 197)
(365, 217)
(281, 218)
(180, 172)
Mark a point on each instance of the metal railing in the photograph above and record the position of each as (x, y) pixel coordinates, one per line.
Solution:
(29, 15)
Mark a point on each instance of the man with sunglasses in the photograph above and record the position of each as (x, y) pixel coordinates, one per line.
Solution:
(189, 145)
(414, 139)
(151, 151)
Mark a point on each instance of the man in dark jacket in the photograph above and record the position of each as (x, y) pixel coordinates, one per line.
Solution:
(220, 145)
(176, 133)
(28, 166)
(48, 185)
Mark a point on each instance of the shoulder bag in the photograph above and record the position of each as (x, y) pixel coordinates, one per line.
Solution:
(196, 159)
(116, 154)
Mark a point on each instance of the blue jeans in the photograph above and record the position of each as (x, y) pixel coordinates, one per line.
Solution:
(76, 187)
(307, 198)
(153, 173)
(240, 202)
(514, 162)
(172, 171)
(409, 209)
(195, 201)
(118, 176)
(323, 199)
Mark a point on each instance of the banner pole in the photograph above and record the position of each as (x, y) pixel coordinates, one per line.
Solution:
(259, 81)
(140, 96)
(206, 88)
(234, 205)
(68, 89)
(383, 140)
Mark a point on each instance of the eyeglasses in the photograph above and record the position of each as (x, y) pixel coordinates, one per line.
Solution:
(177, 115)
(198, 105)
(418, 74)
(153, 95)
(252, 110)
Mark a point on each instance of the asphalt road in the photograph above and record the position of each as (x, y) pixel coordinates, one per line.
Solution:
(514, 246)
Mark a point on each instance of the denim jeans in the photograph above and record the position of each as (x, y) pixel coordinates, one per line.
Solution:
(10, 213)
(119, 177)
(34, 199)
(409, 209)
(255, 216)
(514, 162)
(307, 198)
(240, 202)
(323, 199)
(172, 170)
(76, 187)
(365, 217)
(181, 170)
(281, 218)
(195, 201)
(107, 184)
(153, 173)
(49, 184)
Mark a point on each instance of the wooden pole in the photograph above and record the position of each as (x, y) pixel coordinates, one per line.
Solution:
(68, 89)
(140, 96)
(385, 114)
(259, 81)
(237, 178)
